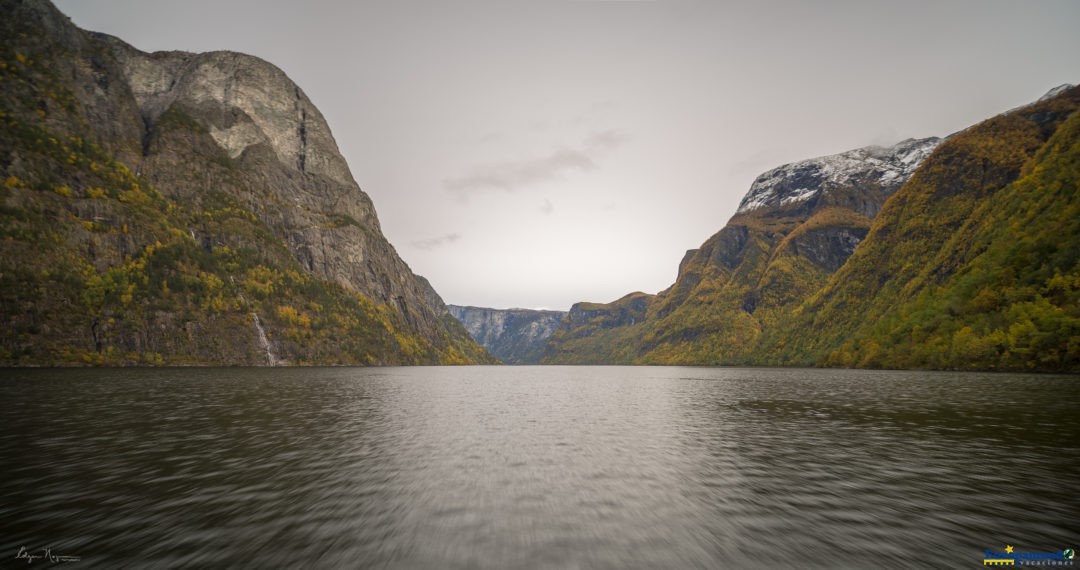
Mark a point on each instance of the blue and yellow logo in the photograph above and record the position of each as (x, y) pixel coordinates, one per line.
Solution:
(991, 558)
(1010, 557)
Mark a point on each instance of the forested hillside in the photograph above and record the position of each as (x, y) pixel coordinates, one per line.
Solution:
(971, 264)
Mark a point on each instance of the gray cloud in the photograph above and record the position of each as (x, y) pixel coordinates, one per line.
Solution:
(432, 243)
(606, 140)
(510, 176)
(548, 207)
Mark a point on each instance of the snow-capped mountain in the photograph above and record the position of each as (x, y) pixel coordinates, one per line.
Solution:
(808, 182)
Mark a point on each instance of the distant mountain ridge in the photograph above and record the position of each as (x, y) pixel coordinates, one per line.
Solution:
(186, 208)
(878, 257)
(514, 336)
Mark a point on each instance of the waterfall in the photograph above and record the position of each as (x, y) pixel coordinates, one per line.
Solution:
(270, 359)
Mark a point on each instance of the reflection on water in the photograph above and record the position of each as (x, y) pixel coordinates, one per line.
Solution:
(530, 467)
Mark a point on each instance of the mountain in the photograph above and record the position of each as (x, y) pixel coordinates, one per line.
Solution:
(974, 264)
(795, 227)
(971, 262)
(187, 208)
(514, 336)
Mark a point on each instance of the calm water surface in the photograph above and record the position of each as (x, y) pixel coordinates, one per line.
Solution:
(535, 467)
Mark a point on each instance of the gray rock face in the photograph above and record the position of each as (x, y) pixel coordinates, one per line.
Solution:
(828, 247)
(287, 164)
(515, 336)
(729, 247)
(255, 103)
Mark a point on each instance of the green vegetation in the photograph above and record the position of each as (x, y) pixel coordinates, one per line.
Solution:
(740, 282)
(86, 290)
(972, 264)
(97, 267)
(1001, 288)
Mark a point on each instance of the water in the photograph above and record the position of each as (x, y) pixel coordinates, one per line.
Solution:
(535, 467)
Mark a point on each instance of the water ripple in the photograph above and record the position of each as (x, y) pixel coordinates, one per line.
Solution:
(561, 467)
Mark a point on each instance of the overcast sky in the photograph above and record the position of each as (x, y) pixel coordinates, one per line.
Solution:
(537, 153)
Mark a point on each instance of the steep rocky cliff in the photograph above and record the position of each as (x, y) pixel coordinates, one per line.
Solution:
(797, 225)
(515, 336)
(197, 210)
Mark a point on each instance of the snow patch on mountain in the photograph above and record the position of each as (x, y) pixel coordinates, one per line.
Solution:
(800, 195)
(801, 181)
(1056, 91)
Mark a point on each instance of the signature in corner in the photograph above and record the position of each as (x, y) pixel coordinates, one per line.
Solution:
(46, 554)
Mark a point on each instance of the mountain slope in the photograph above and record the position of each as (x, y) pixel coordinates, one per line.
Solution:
(514, 336)
(795, 227)
(187, 208)
(973, 264)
